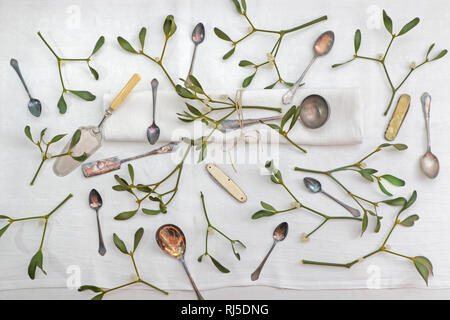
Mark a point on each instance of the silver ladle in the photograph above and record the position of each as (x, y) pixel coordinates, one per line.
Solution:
(429, 163)
(321, 47)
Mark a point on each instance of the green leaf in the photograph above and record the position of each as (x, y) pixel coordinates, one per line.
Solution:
(387, 22)
(408, 26)
(196, 84)
(397, 202)
(125, 215)
(131, 172)
(193, 109)
(27, 131)
(126, 45)
(3, 230)
(270, 86)
(199, 259)
(365, 221)
(57, 138)
(236, 254)
(440, 55)
(393, 180)
(336, 65)
(248, 80)
(384, 190)
(75, 138)
(98, 45)
(262, 213)
(295, 117)
(137, 237)
(62, 105)
(85, 95)
(151, 212)
(400, 146)
(142, 35)
(410, 201)
(267, 206)
(119, 188)
(422, 269)
(43, 133)
(238, 6)
(274, 127)
(183, 92)
(4, 217)
(220, 267)
(367, 173)
(120, 244)
(287, 116)
(169, 26)
(98, 297)
(89, 287)
(244, 5)
(36, 262)
(429, 50)
(202, 154)
(424, 260)
(378, 226)
(228, 54)
(240, 242)
(409, 222)
(222, 35)
(357, 44)
(246, 63)
(94, 72)
(81, 158)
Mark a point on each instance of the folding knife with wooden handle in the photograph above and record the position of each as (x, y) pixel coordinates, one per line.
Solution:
(225, 182)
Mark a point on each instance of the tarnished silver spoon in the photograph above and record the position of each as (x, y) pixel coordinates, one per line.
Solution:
(172, 241)
(279, 234)
(429, 163)
(198, 35)
(34, 105)
(96, 202)
(321, 47)
(153, 131)
(315, 186)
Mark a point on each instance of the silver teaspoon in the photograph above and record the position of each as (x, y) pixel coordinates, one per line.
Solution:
(429, 163)
(198, 35)
(279, 234)
(153, 131)
(34, 105)
(96, 202)
(314, 186)
(321, 47)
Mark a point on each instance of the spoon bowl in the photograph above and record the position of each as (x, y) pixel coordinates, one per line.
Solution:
(198, 34)
(429, 164)
(314, 111)
(281, 231)
(34, 105)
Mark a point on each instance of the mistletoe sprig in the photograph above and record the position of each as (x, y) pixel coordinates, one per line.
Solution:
(37, 261)
(85, 95)
(423, 265)
(137, 277)
(269, 210)
(44, 148)
(209, 229)
(369, 207)
(382, 57)
(271, 56)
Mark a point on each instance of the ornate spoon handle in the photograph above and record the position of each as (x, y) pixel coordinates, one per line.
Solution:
(426, 106)
(15, 66)
(289, 95)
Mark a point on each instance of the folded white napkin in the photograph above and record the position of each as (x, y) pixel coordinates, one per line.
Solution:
(131, 120)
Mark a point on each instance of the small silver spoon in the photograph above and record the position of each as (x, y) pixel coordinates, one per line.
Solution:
(429, 163)
(321, 47)
(198, 35)
(279, 234)
(314, 186)
(153, 131)
(172, 241)
(34, 105)
(96, 202)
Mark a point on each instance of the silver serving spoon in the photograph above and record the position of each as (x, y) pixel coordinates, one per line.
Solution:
(429, 163)
(321, 47)
(153, 131)
(171, 240)
(314, 186)
(96, 202)
(34, 105)
(198, 35)
(279, 234)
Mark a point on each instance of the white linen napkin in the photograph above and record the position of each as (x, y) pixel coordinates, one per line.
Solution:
(131, 120)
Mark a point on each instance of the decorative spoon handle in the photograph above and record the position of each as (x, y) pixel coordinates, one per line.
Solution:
(15, 66)
(255, 274)
(154, 90)
(355, 212)
(426, 106)
(228, 125)
(191, 68)
(289, 95)
(101, 245)
(197, 292)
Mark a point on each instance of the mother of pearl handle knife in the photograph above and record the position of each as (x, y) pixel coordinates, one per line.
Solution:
(225, 182)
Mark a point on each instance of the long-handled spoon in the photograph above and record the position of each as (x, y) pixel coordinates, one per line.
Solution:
(314, 186)
(96, 202)
(171, 240)
(321, 47)
(34, 105)
(429, 163)
(279, 234)
(198, 35)
(153, 130)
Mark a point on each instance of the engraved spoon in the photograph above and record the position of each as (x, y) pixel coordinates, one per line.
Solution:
(429, 163)
(321, 47)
